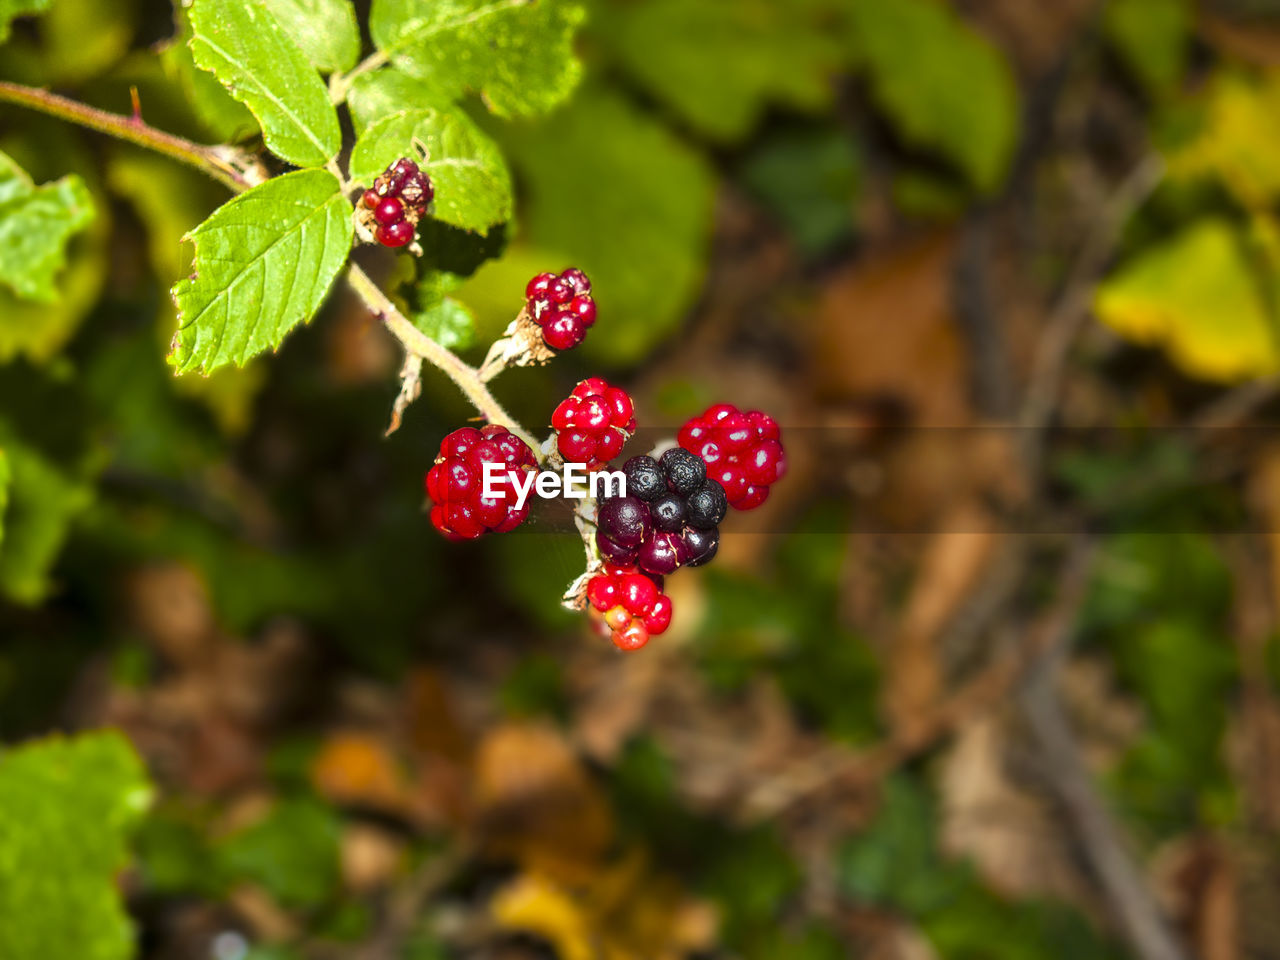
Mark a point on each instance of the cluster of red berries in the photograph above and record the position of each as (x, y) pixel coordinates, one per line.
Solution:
(562, 306)
(632, 605)
(671, 512)
(456, 483)
(593, 423)
(397, 201)
(742, 451)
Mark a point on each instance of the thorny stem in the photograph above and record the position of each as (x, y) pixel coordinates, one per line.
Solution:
(225, 164)
(237, 170)
(419, 344)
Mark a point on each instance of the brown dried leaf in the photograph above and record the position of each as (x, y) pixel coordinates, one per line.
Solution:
(356, 768)
(535, 803)
(886, 329)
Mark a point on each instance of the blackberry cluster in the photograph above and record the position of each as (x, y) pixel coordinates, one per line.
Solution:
(562, 306)
(632, 605)
(397, 201)
(455, 484)
(743, 451)
(669, 518)
(593, 423)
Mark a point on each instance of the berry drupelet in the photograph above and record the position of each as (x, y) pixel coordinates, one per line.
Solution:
(593, 423)
(455, 484)
(631, 604)
(669, 518)
(562, 306)
(396, 202)
(743, 451)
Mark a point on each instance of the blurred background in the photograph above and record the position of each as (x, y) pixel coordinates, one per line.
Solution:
(993, 675)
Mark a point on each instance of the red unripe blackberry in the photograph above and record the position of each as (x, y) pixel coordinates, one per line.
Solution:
(576, 279)
(593, 423)
(536, 289)
(633, 637)
(397, 200)
(584, 308)
(388, 211)
(564, 331)
(742, 451)
(456, 483)
(394, 235)
(659, 616)
(630, 604)
(562, 306)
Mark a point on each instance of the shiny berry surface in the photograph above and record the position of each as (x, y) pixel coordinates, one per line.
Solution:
(396, 202)
(593, 423)
(630, 604)
(561, 304)
(456, 483)
(743, 451)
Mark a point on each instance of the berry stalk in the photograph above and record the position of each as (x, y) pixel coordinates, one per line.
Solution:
(466, 377)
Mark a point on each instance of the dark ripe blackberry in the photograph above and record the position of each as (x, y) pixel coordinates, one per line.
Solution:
(624, 520)
(700, 545)
(685, 471)
(660, 554)
(668, 513)
(706, 506)
(645, 478)
(614, 552)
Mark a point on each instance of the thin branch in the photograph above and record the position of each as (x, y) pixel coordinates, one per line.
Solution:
(227, 165)
(231, 167)
(1104, 844)
(1072, 307)
(419, 344)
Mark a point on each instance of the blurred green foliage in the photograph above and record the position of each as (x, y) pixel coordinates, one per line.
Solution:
(67, 808)
(896, 863)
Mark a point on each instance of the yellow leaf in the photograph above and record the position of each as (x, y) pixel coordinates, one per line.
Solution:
(1199, 296)
(533, 904)
(1240, 139)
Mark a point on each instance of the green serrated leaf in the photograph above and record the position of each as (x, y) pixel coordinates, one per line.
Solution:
(961, 100)
(1152, 37)
(35, 225)
(720, 63)
(228, 120)
(171, 201)
(325, 30)
(262, 67)
(643, 276)
(473, 187)
(517, 54)
(1197, 295)
(67, 807)
(264, 263)
(43, 501)
(381, 93)
(18, 8)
